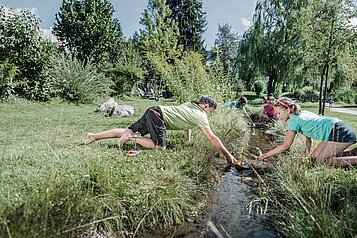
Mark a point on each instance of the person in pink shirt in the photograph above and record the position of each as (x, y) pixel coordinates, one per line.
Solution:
(269, 113)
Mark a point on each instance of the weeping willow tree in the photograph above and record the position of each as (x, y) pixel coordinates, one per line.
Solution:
(270, 48)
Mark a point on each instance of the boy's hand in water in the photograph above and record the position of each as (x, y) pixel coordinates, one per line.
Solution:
(241, 165)
(231, 160)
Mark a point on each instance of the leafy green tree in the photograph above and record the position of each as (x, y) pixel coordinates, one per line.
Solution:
(271, 45)
(244, 64)
(159, 37)
(22, 47)
(191, 23)
(161, 33)
(226, 47)
(327, 21)
(88, 30)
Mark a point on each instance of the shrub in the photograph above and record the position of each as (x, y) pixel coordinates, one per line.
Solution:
(7, 74)
(259, 87)
(308, 94)
(346, 95)
(78, 82)
(21, 45)
(125, 77)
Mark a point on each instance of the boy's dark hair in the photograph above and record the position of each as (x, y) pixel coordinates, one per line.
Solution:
(208, 100)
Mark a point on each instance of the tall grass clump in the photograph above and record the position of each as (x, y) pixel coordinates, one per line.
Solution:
(53, 186)
(76, 81)
(314, 201)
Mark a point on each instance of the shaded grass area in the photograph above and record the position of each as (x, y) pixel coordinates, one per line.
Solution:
(313, 201)
(51, 185)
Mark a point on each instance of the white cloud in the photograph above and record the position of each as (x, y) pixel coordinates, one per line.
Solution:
(33, 10)
(245, 22)
(47, 35)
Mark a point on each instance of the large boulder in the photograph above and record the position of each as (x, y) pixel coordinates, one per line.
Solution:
(112, 108)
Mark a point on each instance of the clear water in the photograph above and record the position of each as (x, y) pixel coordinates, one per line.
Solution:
(230, 211)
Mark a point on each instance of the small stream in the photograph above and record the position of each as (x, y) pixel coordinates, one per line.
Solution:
(230, 212)
(233, 214)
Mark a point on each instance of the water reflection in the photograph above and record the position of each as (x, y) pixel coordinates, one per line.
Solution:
(235, 213)
(232, 210)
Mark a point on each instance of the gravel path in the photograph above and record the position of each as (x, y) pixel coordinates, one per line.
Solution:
(338, 108)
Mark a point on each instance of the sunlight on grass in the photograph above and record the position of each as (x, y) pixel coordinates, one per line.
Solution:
(53, 185)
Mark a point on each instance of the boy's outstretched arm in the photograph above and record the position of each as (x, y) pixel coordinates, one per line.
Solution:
(216, 142)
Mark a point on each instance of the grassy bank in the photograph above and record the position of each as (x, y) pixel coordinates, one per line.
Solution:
(51, 185)
(313, 201)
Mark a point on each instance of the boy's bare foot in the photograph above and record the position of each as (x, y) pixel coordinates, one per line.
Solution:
(125, 137)
(90, 138)
(352, 152)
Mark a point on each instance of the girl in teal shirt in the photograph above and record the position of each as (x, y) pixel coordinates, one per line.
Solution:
(335, 135)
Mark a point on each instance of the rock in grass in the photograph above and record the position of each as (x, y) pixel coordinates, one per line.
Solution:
(112, 108)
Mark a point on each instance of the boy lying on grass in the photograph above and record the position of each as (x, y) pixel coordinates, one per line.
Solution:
(156, 120)
(334, 134)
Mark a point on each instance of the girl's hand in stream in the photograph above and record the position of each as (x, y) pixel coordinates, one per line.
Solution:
(261, 157)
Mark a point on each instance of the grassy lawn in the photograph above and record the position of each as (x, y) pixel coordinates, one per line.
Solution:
(51, 185)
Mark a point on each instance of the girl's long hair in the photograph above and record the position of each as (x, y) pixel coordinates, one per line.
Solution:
(286, 102)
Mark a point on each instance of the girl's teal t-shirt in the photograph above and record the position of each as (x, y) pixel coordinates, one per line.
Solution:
(232, 104)
(312, 125)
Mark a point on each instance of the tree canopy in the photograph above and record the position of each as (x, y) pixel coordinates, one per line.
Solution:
(191, 22)
(88, 29)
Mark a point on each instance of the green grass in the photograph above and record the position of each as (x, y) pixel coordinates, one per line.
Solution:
(313, 201)
(51, 185)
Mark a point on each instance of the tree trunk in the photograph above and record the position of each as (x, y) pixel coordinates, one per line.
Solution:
(325, 90)
(321, 87)
(325, 72)
(271, 81)
(274, 85)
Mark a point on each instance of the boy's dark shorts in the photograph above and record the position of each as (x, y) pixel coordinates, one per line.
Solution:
(342, 133)
(152, 123)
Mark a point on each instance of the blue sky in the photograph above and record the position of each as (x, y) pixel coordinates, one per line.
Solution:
(238, 13)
